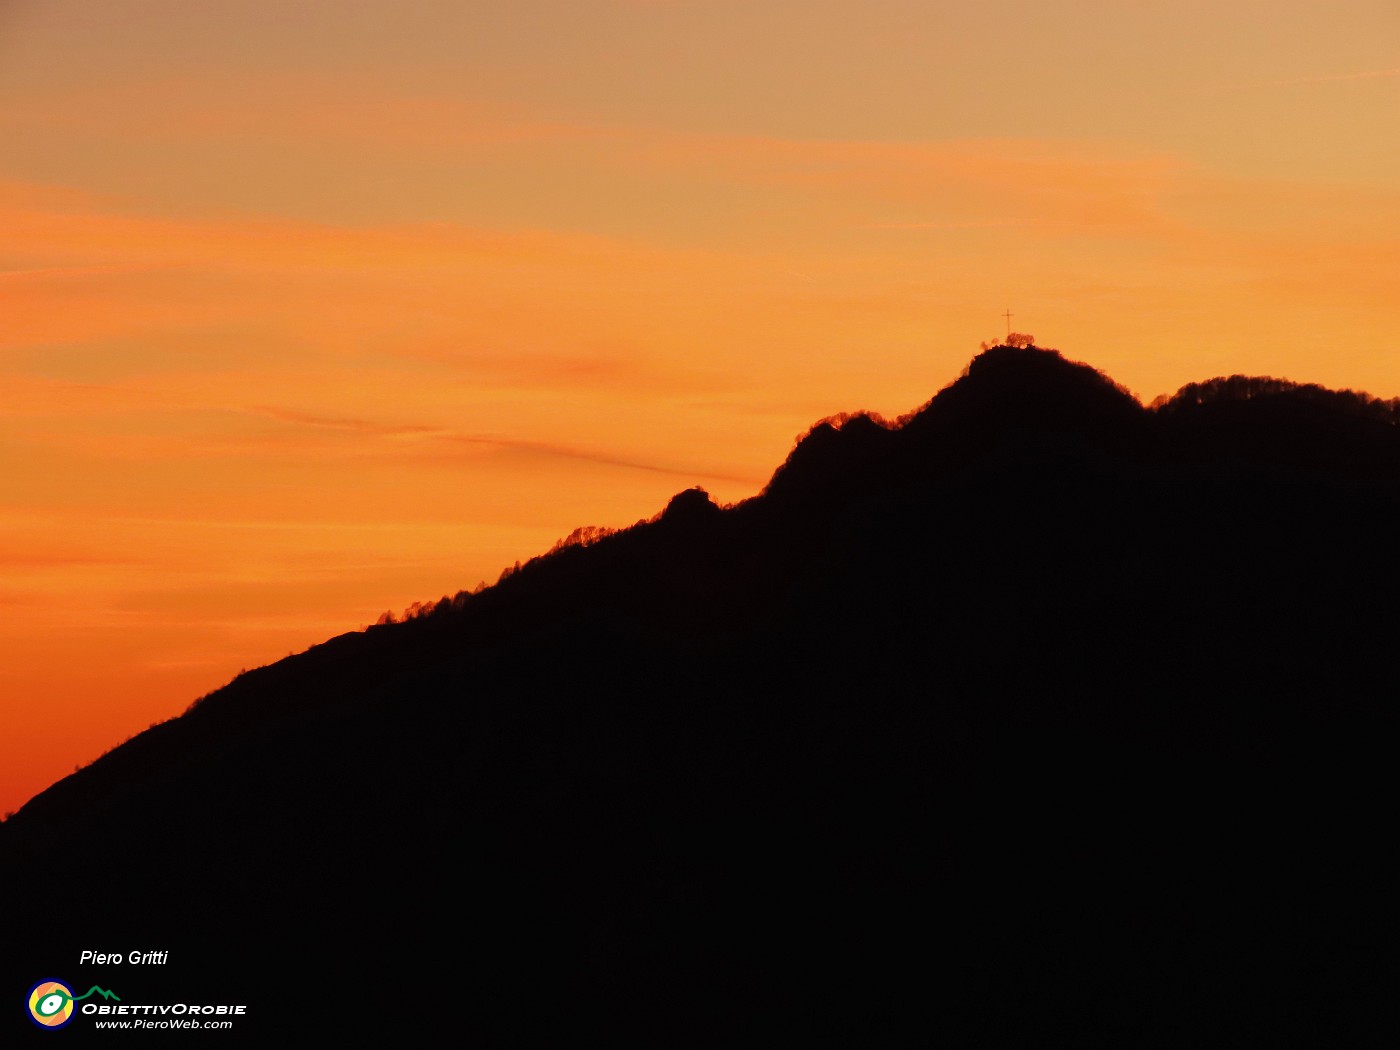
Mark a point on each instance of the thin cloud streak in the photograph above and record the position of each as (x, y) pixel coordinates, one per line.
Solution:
(360, 426)
(544, 448)
(68, 271)
(539, 448)
(988, 225)
(285, 107)
(1374, 74)
(318, 525)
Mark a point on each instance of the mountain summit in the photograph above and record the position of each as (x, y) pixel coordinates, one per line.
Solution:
(1036, 717)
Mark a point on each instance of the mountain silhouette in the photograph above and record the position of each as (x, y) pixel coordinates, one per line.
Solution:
(1036, 717)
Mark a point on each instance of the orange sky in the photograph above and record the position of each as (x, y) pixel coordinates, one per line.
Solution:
(315, 308)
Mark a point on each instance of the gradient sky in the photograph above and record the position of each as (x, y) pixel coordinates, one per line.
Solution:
(315, 308)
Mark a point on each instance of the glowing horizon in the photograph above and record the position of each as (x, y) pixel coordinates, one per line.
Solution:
(315, 310)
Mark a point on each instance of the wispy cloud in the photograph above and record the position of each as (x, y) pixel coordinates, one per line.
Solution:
(50, 560)
(533, 448)
(63, 271)
(552, 449)
(993, 224)
(285, 107)
(1372, 74)
(361, 426)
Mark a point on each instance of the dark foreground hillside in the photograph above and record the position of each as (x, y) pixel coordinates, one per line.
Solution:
(1041, 719)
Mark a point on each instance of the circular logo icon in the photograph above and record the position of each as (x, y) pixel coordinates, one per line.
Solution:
(51, 1004)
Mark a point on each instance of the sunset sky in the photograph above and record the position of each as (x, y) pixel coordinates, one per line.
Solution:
(315, 308)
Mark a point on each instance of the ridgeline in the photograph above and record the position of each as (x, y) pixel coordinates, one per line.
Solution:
(1037, 717)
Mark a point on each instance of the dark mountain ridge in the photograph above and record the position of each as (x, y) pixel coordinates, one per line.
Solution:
(1037, 717)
